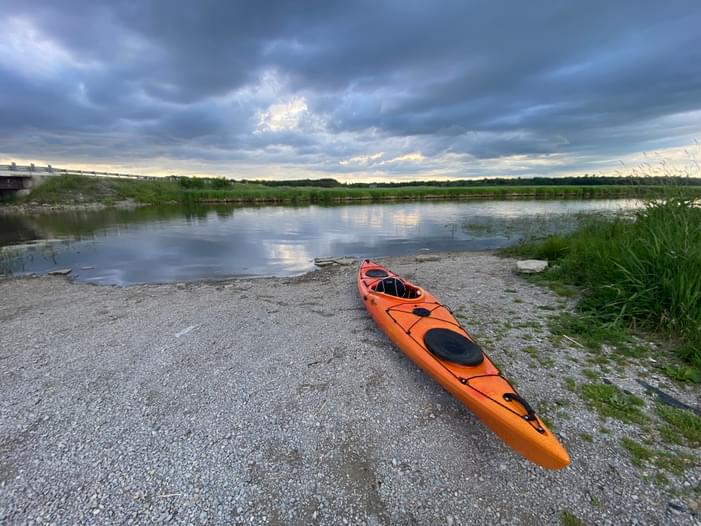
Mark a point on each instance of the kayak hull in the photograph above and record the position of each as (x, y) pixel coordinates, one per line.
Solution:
(481, 388)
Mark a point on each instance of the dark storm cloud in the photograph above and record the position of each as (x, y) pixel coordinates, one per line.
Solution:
(482, 80)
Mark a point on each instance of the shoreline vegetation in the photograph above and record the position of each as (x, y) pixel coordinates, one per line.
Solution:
(82, 190)
(636, 275)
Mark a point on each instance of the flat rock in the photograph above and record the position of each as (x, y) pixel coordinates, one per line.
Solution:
(531, 266)
(427, 257)
(340, 261)
(60, 272)
(345, 261)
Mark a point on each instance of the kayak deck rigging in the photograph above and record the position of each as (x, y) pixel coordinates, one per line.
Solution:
(530, 415)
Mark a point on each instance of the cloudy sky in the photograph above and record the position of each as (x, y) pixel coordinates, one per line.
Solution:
(356, 90)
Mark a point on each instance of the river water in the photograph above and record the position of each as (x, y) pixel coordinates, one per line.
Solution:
(177, 243)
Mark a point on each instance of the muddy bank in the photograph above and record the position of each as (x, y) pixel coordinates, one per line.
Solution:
(31, 208)
(277, 401)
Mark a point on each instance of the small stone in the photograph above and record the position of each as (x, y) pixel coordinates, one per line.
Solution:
(531, 266)
(327, 262)
(60, 272)
(344, 261)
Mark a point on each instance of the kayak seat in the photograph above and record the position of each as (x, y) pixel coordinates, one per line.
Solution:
(391, 286)
(396, 287)
(453, 347)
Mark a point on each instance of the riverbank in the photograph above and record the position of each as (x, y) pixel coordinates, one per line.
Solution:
(279, 401)
(73, 190)
(36, 208)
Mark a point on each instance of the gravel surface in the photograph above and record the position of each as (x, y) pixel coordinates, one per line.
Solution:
(278, 401)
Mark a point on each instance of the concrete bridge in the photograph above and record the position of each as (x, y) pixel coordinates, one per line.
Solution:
(19, 179)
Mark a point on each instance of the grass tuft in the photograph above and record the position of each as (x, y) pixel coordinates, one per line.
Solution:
(567, 518)
(589, 330)
(609, 400)
(639, 454)
(683, 373)
(682, 426)
(570, 384)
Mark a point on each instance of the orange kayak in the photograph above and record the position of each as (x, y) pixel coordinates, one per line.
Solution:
(428, 333)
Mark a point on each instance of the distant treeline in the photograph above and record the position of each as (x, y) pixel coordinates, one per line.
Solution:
(585, 180)
(66, 189)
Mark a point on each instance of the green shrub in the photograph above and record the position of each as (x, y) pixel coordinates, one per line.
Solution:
(642, 273)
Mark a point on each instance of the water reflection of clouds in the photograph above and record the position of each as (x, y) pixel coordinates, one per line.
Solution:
(277, 240)
(382, 218)
(406, 218)
(365, 217)
(294, 256)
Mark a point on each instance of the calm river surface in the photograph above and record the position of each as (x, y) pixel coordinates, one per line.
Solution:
(175, 243)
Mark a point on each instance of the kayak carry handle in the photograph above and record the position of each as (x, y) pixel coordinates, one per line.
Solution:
(531, 416)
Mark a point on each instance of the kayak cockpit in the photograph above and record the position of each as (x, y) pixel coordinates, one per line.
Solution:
(396, 287)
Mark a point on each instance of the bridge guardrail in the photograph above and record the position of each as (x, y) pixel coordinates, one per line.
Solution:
(28, 170)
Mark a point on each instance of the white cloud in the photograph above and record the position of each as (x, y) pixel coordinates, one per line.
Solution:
(283, 115)
(414, 157)
(362, 160)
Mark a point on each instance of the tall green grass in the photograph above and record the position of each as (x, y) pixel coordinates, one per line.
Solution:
(643, 272)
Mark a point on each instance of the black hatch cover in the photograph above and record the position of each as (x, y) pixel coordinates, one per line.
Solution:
(453, 346)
